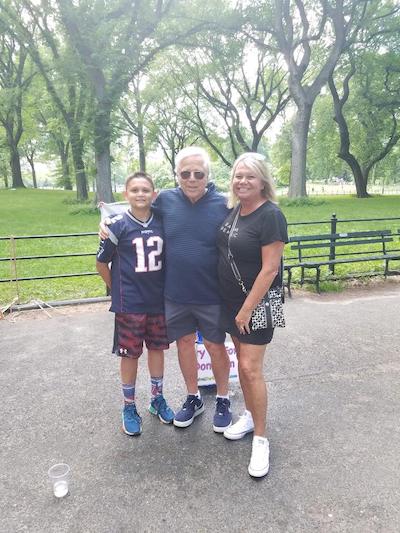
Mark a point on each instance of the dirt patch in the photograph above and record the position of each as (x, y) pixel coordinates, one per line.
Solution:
(354, 288)
(47, 313)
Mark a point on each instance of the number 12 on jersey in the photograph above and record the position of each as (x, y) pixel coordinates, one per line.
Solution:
(153, 261)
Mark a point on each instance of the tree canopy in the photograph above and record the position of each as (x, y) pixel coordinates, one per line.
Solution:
(313, 84)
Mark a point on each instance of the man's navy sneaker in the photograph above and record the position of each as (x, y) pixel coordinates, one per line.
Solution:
(131, 421)
(223, 416)
(192, 407)
(158, 406)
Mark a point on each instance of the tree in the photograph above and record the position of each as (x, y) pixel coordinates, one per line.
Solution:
(236, 91)
(311, 36)
(4, 162)
(322, 159)
(134, 110)
(373, 113)
(64, 81)
(368, 103)
(14, 81)
(115, 42)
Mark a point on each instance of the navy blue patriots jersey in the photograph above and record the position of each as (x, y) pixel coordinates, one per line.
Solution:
(136, 252)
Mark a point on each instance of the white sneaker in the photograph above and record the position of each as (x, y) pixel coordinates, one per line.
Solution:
(240, 428)
(259, 462)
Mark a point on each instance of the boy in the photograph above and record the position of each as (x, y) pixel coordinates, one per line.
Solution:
(136, 279)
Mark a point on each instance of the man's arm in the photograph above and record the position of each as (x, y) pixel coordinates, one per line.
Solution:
(103, 226)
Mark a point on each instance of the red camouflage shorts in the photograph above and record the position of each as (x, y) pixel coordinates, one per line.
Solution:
(131, 329)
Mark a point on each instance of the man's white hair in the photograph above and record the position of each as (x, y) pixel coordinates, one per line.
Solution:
(190, 151)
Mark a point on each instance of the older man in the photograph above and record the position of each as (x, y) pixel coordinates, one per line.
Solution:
(192, 214)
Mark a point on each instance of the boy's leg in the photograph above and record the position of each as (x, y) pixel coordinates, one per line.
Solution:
(155, 363)
(156, 342)
(128, 344)
(131, 420)
(128, 370)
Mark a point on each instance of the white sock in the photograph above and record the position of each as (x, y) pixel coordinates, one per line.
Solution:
(225, 397)
(261, 440)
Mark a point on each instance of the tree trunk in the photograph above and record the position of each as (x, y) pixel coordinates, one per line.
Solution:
(102, 133)
(15, 165)
(79, 167)
(4, 173)
(142, 151)
(33, 171)
(360, 179)
(66, 178)
(301, 124)
(34, 176)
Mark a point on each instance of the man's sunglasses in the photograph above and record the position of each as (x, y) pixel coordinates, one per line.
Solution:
(185, 175)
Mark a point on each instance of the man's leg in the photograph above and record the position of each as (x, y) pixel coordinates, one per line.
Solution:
(220, 364)
(193, 405)
(188, 361)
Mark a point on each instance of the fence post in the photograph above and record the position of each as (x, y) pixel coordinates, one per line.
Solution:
(332, 249)
(14, 265)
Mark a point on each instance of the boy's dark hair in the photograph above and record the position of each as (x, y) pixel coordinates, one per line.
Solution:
(139, 174)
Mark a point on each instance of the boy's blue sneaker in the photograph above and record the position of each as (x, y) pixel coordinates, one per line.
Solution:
(158, 406)
(192, 407)
(223, 416)
(131, 421)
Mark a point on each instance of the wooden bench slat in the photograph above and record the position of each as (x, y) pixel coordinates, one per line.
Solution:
(310, 264)
(349, 234)
(340, 243)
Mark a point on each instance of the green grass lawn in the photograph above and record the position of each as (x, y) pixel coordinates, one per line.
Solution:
(43, 212)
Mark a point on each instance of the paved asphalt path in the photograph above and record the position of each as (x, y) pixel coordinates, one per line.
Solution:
(333, 377)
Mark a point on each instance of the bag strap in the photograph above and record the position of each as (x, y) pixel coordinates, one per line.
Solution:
(234, 267)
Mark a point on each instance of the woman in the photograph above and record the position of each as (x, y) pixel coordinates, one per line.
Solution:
(256, 243)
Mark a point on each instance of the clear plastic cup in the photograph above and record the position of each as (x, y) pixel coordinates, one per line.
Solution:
(59, 477)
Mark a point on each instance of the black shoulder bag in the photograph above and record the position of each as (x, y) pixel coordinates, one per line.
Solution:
(269, 312)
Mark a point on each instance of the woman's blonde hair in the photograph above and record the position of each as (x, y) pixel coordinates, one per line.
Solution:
(257, 164)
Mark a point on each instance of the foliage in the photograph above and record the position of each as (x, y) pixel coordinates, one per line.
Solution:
(114, 84)
(50, 212)
(301, 202)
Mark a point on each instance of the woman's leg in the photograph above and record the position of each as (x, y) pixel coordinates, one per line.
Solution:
(251, 360)
(237, 344)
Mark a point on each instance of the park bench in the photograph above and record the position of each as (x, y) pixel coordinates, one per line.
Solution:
(354, 247)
